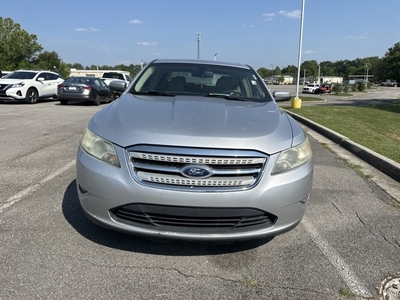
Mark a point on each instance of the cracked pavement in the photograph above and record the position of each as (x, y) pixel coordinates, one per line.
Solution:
(347, 244)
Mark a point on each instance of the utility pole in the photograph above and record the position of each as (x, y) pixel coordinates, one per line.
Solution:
(198, 45)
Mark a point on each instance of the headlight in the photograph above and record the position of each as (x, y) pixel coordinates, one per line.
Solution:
(18, 85)
(99, 147)
(293, 158)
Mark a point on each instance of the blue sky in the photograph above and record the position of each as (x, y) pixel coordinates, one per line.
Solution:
(261, 33)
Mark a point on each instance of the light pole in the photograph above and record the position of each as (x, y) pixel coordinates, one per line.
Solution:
(198, 45)
(319, 74)
(296, 102)
(215, 56)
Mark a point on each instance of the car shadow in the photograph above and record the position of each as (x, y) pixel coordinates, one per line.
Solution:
(79, 103)
(75, 216)
(22, 102)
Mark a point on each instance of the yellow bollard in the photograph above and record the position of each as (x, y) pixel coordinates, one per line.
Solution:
(296, 103)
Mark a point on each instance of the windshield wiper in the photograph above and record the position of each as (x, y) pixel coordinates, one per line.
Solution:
(157, 93)
(228, 96)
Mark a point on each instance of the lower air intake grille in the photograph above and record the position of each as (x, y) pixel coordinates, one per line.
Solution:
(192, 219)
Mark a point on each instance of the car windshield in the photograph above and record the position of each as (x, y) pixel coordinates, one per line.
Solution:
(84, 80)
(211, 80)
(113, 75)
(21, 75)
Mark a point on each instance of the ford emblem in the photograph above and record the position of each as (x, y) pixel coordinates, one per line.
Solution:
(196, 171)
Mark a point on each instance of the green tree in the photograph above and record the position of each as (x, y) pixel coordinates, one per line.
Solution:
(290, 70)
(263, 72)
(327, 68)
(360, 86)
(391, 63)
(277, 71)
(77, 66)
(17, 47)
(310, 67)
(51, 61)
(281, 79)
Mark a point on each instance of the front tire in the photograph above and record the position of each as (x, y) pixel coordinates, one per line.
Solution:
(32, 96)
(64, 102)
(97, 101)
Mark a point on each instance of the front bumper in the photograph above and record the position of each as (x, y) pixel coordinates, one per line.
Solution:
(12, 94)
(103, 189)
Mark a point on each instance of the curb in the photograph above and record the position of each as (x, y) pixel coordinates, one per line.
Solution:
(380, 162)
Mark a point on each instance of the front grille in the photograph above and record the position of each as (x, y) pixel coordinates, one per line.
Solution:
(163, 167)
(3, 86)
(192, 219)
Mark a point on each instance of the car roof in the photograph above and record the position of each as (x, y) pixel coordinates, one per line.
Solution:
(30, 71)
(201, 61)
(36, 71)
(83, 77)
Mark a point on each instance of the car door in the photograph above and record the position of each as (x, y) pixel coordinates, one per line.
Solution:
(104, 89)
(49, 83)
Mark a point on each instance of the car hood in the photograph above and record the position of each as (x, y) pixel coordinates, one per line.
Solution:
(12, 80)
(194, 121)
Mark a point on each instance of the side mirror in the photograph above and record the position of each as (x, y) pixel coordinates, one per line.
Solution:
(117, 86)
(281, 95)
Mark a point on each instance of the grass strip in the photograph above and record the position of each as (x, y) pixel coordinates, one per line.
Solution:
(375, 127)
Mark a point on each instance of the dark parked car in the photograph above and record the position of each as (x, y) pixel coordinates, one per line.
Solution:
(84, 89)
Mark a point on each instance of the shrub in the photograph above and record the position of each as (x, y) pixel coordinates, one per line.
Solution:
(361, 86)
(337, 88)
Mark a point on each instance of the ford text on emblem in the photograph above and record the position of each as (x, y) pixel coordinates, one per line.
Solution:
(196, 171)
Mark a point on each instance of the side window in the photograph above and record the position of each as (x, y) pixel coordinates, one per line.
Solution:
(101, 83)
(48, 76)
(43, 75)
(51, 76)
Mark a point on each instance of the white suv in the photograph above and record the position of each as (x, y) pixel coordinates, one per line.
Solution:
(29, 85)
(311, 88)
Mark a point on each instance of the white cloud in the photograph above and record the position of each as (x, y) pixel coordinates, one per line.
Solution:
(310, 52)
(268, 16)
(91, 29)
(294, 14)
(135, 22)
(352, 37)
(362, 37)
(147, 43)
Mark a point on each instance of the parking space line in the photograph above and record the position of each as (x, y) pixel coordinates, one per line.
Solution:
(24, 193)
(351, 279)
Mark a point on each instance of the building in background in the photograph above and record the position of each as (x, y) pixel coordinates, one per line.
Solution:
(93, 73)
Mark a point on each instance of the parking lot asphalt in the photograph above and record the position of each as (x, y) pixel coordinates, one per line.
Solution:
(347, 243)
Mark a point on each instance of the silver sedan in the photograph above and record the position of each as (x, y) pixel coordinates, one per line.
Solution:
(195, 150)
